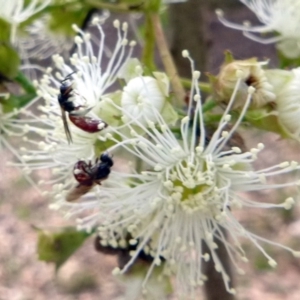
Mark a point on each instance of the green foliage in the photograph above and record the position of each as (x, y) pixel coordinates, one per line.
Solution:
(228, 57)
(265, 121)
(9, 61)
(25, 83)
(120, 5)
(285, 62)
(59, 246)
(153, 5)
(19, 101)
(65, 15)
(15, 102)
(209, 104)
(5, 31)
(101, 146)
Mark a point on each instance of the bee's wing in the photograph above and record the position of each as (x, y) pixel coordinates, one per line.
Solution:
(66, 126)
(78, 191)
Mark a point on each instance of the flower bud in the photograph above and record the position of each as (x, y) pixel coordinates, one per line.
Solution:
(144, 96)
(251, 74)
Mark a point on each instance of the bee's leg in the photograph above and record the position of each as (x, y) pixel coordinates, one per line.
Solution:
(88, 170)
(90, 164)
(68, 77)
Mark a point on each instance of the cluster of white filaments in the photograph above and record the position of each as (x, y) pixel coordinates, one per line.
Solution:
(89, 82)
(281, 16)
(184, 196)
(40, 42)
(16, 12)
(12, 125)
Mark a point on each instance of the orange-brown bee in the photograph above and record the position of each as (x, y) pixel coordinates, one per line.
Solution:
(87, 175)
(76, 116)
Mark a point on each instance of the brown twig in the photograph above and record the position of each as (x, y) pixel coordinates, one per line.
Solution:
(167, 60)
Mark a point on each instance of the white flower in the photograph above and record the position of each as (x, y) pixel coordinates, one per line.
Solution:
(142, 93)
(278, 16)
(16, 12)
(184, 196)
(287, 89)
(41, 42)
(89, 83)
(139, 95)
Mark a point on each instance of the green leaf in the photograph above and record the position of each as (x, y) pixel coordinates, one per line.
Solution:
(5, 31)
(124, 6)
(169, 114)
(153, 5)
(209, 104)
(285, 62)
(9, 61)
(13, 102)
(163, 82)
(76, 13)
(19, 101)
(101, 146)
(25, 83)
(228, 57)
(128, 70)
(265, 121)
(58, 247)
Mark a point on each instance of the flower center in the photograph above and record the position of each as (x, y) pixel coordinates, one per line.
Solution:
(194, 187)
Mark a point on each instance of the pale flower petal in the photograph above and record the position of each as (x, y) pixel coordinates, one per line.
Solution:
(276, 16)
(140, 96)
(287, 89)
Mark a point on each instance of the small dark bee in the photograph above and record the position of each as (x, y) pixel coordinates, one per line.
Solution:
(88, 175)
(76, 116)
(65, 104)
